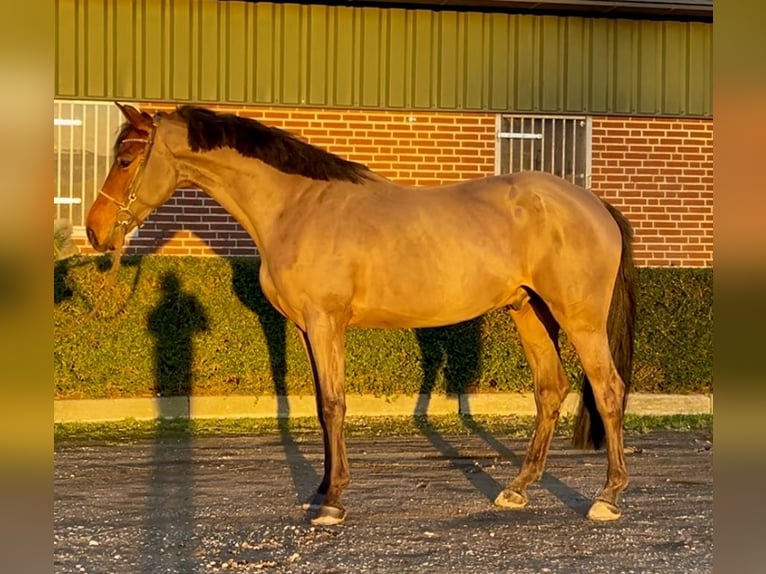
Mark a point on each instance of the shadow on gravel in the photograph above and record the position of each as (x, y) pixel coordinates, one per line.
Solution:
(472, 471)
(247, 288)
(168, 536)
(456, 352)
(575, 500)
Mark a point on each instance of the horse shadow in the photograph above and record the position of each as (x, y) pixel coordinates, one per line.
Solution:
(62, 289)
(63, 284)
(274, 325)
(570, 497)
(455, 352)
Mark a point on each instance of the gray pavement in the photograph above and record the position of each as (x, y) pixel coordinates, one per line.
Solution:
(417, 504)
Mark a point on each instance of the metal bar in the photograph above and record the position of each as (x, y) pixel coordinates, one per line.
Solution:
(554, 140)
(107, 152)
(67, 201)
(57, 146)
(548, 116)
(499, 144)
(520, 136)
(588, 152)
(531, 146)
(565, 149)
(523, 147)
(574, 151)
(71, 159)
(83, 166)
(96, 172)
(511, 167)
(66, 122)
(566, 143)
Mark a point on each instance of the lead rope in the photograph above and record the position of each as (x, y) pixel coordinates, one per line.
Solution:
(109, 282)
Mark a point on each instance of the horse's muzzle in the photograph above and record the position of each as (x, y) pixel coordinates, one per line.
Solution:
(93, 239)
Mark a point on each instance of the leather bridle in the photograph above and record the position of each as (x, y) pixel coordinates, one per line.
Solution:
(125, 217)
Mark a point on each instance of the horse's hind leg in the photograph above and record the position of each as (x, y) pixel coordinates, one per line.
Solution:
(608, 390)
(325, 337)
(539, 337)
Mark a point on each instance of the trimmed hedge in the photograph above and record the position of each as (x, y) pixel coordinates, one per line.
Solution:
(189, 325)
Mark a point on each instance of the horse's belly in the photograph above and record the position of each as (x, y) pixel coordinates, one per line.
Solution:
(427, 307)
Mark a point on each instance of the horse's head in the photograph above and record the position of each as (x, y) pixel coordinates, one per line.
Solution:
(141, 178)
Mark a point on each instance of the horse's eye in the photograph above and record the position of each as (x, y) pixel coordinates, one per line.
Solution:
(123, 162)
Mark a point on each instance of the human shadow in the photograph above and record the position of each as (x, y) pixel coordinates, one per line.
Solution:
(248, 290)
(161, 227)
(173, 323)
(169, 520)
(454, 352)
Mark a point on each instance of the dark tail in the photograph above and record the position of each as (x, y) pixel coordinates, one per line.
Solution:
(621, 324)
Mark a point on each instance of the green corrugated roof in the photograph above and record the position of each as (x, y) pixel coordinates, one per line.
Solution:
(332, 56)
(701, 10)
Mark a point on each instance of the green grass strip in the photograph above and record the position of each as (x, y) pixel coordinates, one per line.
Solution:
(132, 431)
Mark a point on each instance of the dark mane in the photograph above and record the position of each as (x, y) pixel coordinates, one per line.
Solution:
(209, 130)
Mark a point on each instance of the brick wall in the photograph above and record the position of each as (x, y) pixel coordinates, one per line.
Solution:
(657, 171)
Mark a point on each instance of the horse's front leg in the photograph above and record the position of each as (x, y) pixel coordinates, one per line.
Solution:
(325, 344)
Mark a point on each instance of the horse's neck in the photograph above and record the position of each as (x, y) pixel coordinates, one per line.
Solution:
(252, 192)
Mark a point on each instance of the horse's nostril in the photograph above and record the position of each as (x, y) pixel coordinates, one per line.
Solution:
(92, 237)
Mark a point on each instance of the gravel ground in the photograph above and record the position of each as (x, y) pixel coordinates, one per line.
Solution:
(417, 504)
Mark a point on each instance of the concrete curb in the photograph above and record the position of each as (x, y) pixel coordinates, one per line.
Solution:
(104, 410)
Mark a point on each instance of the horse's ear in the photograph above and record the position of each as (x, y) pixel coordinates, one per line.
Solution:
(137, 119)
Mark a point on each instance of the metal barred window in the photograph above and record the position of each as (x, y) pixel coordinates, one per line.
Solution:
(83, 135)
(554, 144)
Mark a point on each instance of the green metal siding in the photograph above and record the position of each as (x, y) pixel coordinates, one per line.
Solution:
(289, 54)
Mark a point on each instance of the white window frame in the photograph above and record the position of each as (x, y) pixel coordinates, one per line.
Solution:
(84, 132)
(530, 131)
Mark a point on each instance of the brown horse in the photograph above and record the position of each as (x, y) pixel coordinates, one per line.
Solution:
(341, 246)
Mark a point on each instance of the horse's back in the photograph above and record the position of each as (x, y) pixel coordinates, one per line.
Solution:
(539, 214)
(434, 256)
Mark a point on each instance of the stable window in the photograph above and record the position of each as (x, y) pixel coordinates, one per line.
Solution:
(83, 135)
(555, 144)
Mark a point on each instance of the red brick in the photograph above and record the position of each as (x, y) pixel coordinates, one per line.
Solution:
(658, 171)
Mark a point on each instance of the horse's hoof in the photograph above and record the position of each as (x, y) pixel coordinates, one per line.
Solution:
(603, 511)
(329, 516)
(313, 502)
(511, 499)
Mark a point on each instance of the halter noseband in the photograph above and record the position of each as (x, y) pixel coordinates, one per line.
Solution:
(135, 182)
